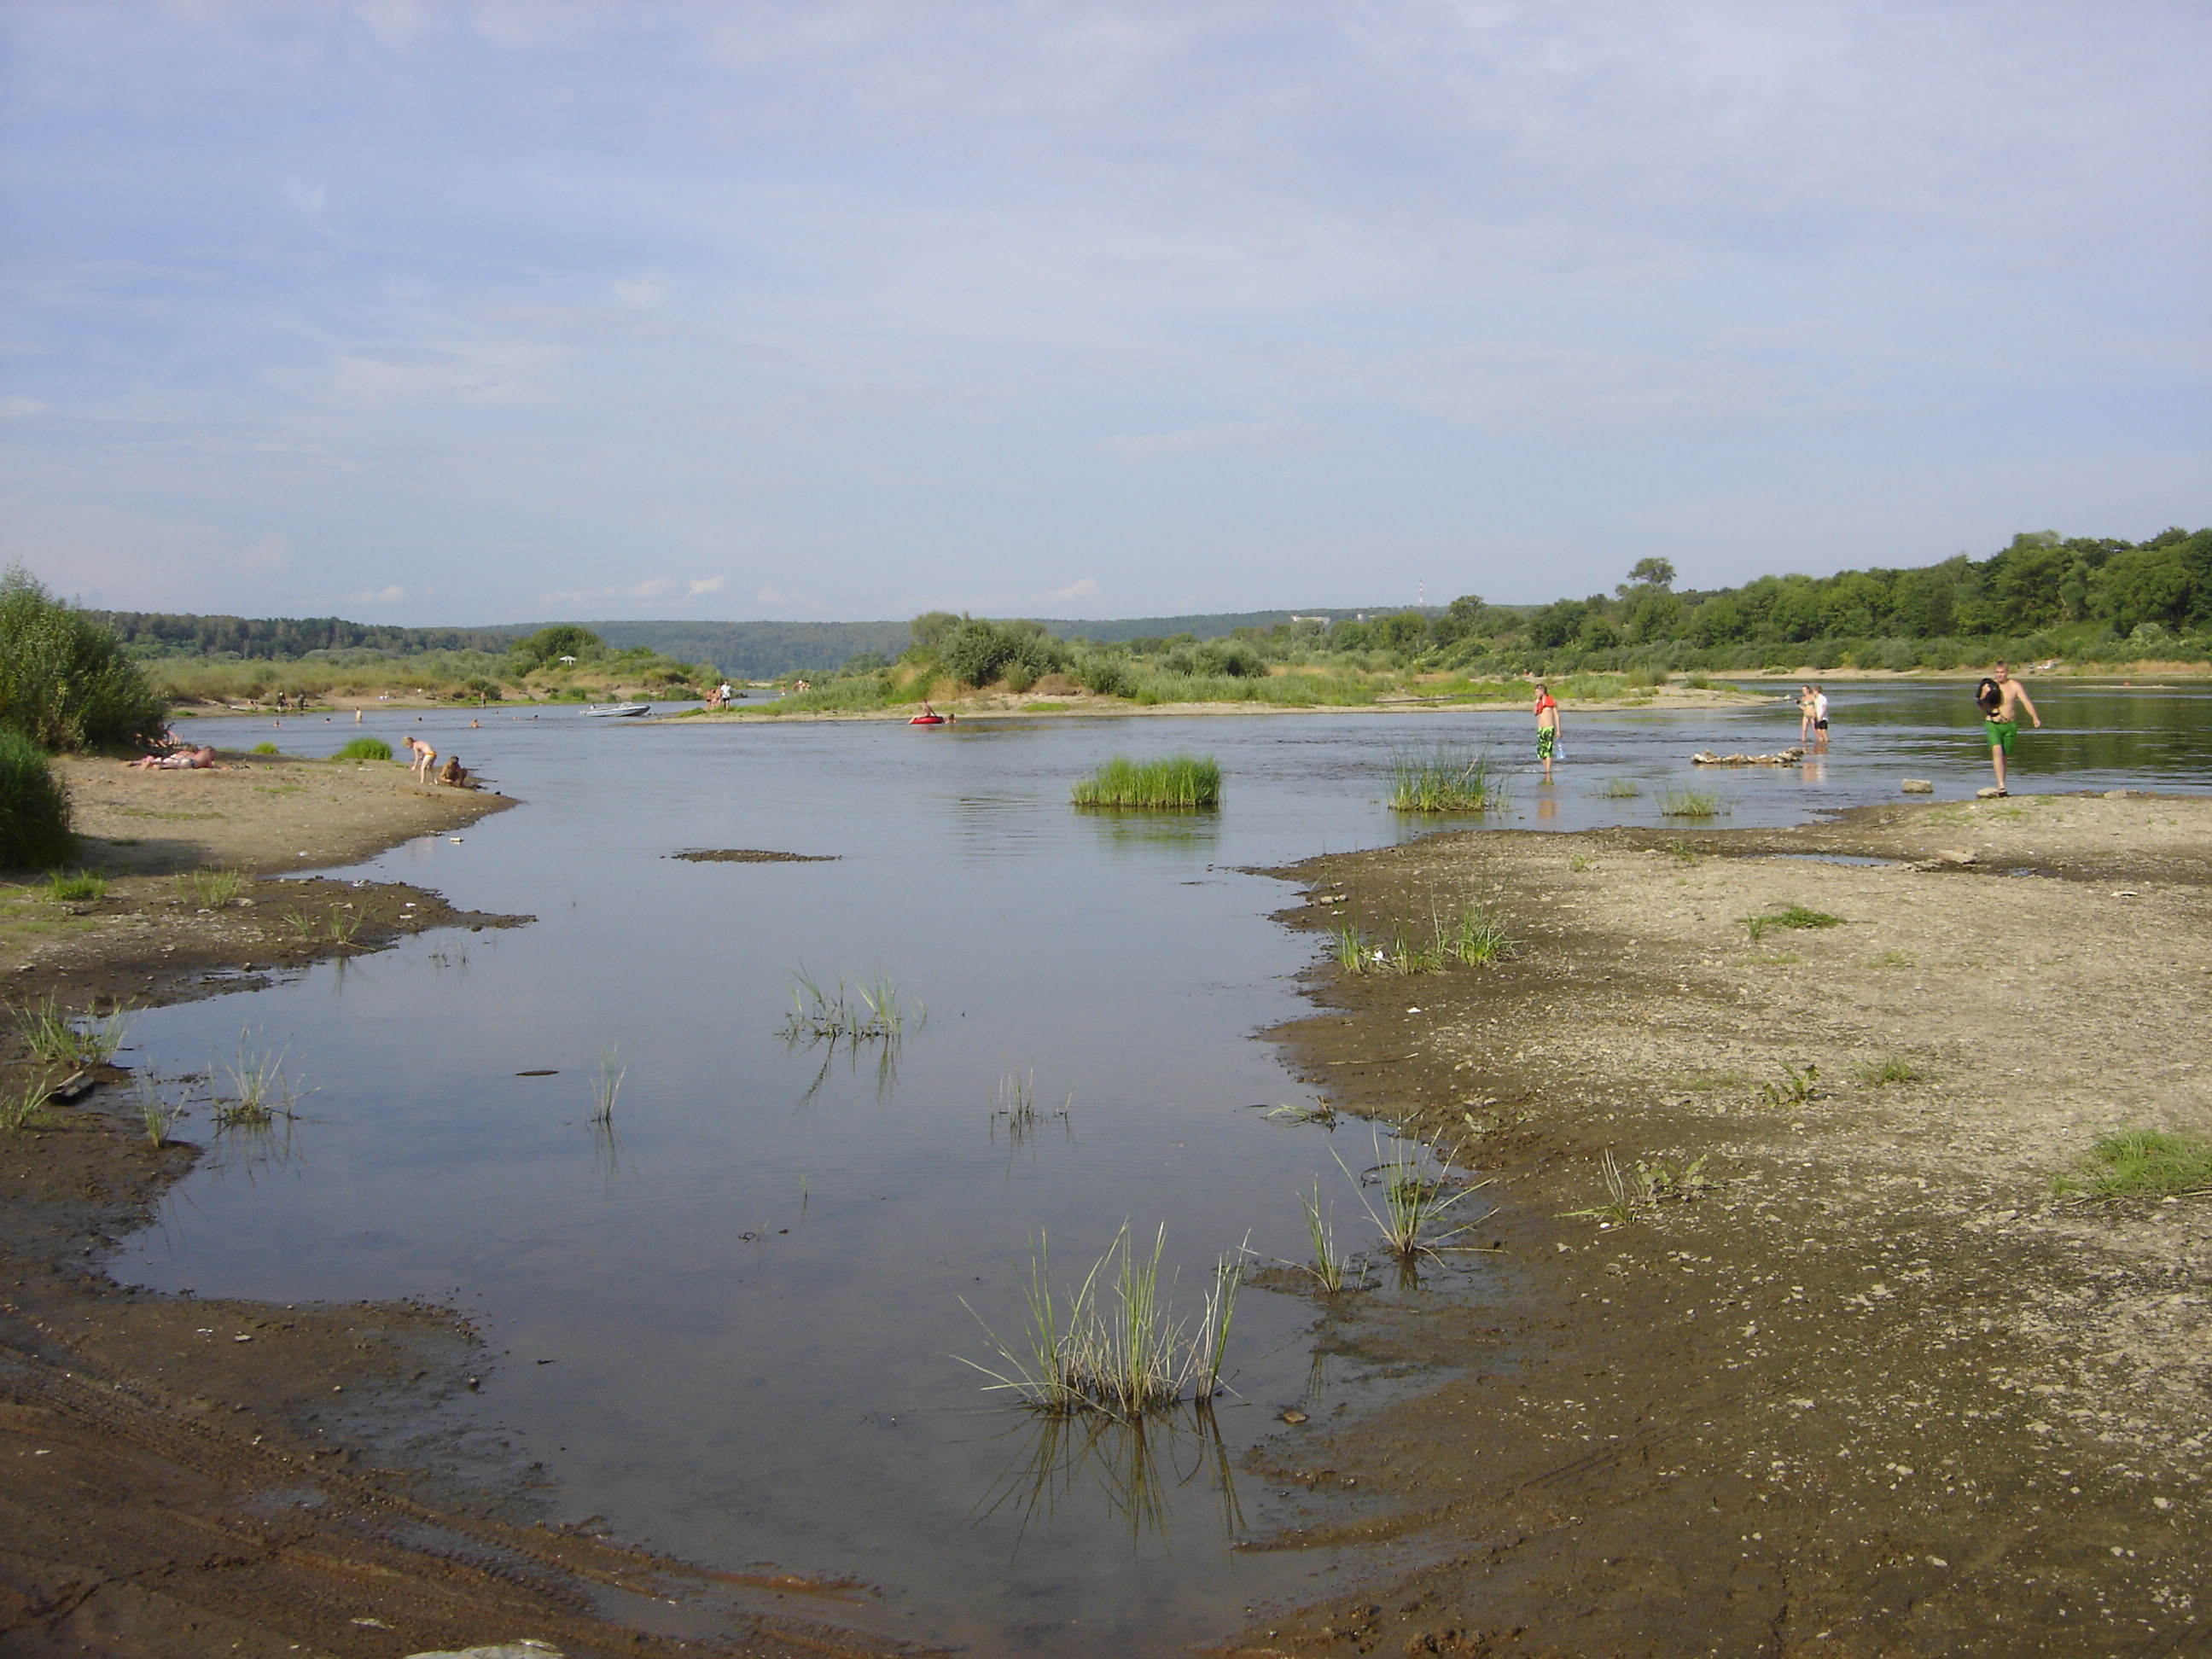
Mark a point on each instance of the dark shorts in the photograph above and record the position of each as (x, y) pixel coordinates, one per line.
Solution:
(2001, 733)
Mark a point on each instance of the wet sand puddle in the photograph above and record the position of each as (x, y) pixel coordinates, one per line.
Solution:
(721, 1268)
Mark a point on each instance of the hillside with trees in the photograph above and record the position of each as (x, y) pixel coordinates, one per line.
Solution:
(2087, 600)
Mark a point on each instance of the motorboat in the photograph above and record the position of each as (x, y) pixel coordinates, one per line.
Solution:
(616, 711)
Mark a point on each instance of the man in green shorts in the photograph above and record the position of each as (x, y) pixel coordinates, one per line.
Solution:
(2002, 698)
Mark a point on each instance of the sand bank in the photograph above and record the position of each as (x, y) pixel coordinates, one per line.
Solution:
(1876, 1390)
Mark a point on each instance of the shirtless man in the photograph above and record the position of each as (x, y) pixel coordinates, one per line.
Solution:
(424, 758)
(2002, 697)
(1547, 728)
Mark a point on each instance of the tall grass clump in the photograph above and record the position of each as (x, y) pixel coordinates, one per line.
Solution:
(1445, 778)
(365, 748)
(1693, 803)
(1186, 781)
(1787, 915)
(23, 1105)
(260, 1092)
(1414, 1198)
(210, 888)
(1472, 935)
(35, 808)
(75, 888)
(64, 680)
(2143, 1163)
(1331, 1268)
(868, 1011)
(55, 1039)
(1113, 1345)
(607, 1087)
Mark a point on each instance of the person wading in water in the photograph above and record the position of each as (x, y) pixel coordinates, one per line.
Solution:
(2002, 697)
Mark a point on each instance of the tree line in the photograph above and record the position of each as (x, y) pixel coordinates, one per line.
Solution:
(2088, 597)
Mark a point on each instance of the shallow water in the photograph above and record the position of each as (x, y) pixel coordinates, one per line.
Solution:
(733, 1328)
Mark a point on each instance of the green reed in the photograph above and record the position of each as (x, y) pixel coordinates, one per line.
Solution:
(1183, 783)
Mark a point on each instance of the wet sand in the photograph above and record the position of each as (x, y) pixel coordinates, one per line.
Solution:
(183, 1476)
(1877, 1391)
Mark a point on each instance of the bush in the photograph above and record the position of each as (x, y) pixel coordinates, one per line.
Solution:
(365, 748)
(978, 652)
(1109, 677)
(264, 749)
(65, 681)
(35, 814)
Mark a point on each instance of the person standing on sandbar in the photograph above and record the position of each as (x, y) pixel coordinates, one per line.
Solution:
(2001, 698)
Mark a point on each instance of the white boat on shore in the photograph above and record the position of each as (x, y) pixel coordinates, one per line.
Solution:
(616, 711)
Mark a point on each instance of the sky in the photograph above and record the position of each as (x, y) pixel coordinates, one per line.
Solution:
(476, 311)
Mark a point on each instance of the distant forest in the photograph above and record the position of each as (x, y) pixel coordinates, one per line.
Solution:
(2096, 599)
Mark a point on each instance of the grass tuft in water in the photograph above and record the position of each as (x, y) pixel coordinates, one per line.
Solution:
(1414, 1198)
(2141, 1163)
(1327, 1265)
(607, 1086)
(158, 1115)
(260, 1092)
(1694, 804)
(1620, 789)
(1788, 916)
(1187, 782)
(1445, 777)
(1113, 1345)
(867, 1012)
(210, 888)
(55, 1039)
(1014, 1103)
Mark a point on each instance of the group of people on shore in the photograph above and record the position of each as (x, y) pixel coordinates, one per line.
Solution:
(422, 757)
(2001, 698)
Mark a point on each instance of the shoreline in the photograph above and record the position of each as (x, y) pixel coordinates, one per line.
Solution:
(197, 1476)
(1874, 1388)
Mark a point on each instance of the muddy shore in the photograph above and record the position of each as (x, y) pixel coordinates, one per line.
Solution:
(1875, 1390)
(183, 1476)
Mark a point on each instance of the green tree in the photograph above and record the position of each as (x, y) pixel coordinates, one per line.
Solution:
(1650, 573)
(561, 639)
(1403, 630)
(931, 627)
(65, 680)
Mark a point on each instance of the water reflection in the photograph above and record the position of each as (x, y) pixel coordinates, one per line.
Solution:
(1188, 831)
(1134, 1465)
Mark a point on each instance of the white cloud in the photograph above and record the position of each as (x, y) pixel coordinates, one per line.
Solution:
(391, 595)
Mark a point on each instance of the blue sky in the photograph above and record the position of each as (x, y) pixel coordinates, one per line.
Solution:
(489, 311)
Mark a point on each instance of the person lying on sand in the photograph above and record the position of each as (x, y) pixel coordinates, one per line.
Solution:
(185, 760)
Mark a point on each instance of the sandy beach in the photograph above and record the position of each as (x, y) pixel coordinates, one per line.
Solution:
(1875, 1390)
